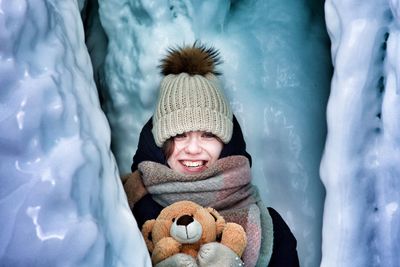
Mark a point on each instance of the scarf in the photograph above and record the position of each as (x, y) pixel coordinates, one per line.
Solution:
(225, 186)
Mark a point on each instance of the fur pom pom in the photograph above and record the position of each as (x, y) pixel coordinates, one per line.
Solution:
(196, 59)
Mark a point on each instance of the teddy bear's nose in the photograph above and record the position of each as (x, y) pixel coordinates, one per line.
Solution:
(184, 220)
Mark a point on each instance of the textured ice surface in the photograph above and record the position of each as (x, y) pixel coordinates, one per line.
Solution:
(61, 201)
(360, 167)
(277, 71)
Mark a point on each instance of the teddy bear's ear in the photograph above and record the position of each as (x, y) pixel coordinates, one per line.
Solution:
(147, 228)
(219, 220)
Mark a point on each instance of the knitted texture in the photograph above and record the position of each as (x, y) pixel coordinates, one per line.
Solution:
(191, 103)
(190, 98)
(225, 186)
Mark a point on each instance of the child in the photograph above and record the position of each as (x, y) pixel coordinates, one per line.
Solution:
(193, 149)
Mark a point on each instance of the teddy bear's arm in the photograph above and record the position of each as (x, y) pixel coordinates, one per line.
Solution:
(165, 248)
(234, 237)
(191, 249)
(146, 232)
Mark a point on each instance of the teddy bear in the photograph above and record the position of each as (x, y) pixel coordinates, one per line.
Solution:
(188, 229)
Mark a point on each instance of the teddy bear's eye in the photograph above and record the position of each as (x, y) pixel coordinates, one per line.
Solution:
(173, 219)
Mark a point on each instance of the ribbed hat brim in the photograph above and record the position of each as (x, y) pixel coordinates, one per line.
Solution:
(183, 120)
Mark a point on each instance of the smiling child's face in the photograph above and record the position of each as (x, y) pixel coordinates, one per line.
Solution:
(193, 152)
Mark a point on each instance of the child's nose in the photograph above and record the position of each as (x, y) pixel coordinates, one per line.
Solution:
(193, 146)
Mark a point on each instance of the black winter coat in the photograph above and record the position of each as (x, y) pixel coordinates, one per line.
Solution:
(284, 253)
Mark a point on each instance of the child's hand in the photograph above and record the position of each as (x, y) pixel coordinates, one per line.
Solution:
(179, 259)
(216, 254)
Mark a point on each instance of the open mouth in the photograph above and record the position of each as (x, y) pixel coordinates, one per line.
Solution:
(194, 165)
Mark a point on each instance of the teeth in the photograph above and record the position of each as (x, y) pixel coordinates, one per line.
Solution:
(192, 163)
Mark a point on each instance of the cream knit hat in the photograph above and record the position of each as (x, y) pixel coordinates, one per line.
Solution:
(190, 98)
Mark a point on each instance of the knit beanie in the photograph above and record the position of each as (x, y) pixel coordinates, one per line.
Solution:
(190, 98)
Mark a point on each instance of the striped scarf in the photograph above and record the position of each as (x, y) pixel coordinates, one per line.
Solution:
(225, 186)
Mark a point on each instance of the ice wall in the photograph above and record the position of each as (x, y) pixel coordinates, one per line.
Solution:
(360, 167)
(61, 201)
(277, 71)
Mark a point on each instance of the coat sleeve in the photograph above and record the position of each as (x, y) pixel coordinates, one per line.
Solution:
(284, 251)
(134, 187)
(146, 209)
